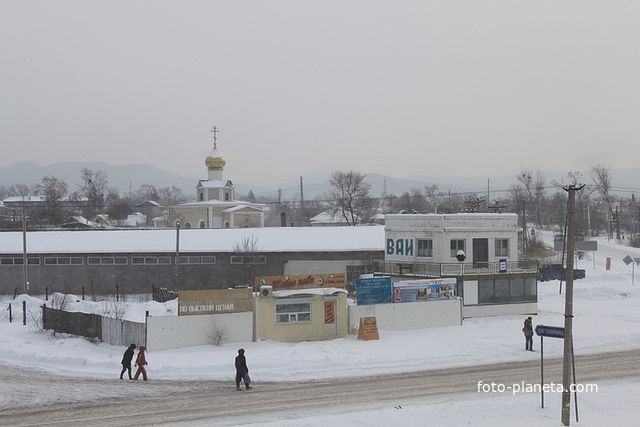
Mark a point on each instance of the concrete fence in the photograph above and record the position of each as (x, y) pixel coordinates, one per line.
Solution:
(122, 332)
(409, 315)
(167, 332)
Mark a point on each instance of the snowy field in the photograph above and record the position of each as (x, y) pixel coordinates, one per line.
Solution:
(606, 319)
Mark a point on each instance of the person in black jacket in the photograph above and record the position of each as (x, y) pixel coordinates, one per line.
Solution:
(528, 334)
(126, 360)
(241, 370)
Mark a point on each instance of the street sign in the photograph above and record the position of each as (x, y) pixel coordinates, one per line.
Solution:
(587, 245)
(637, 260)
(502, 265)
(627, 260)
(550, 331)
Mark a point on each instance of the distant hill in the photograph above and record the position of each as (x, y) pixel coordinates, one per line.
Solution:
(316, 184)
(498, 185)
(120, 177)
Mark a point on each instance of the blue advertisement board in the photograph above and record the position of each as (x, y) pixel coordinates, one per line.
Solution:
(374, 290)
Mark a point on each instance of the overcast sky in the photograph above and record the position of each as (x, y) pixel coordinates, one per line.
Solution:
(402, 88)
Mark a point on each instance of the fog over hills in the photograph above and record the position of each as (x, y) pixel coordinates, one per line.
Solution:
(316, 184)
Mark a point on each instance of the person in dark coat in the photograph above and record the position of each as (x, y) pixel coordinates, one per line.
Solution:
(528, 334)
(141, 361)
(126, 360)
(241, 370)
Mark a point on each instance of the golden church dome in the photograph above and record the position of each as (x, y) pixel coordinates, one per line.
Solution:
(215, 160)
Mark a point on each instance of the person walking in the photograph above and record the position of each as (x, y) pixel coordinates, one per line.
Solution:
(242, 372)
(141, 362)
(528, 334)
(126, 360)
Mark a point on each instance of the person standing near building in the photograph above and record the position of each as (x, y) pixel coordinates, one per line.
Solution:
(141, 362)
(242, 372)
(126, 360)
(528, 334)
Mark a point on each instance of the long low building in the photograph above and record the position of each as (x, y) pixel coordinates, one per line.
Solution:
(134, 261)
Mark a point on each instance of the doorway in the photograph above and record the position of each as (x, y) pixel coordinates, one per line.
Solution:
(480, 253)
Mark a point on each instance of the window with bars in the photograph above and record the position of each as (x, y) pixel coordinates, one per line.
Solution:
(456, 245)
(196, 260)
(150, 260)
(293, 312)
(19, 261)
(502, 247)
(425, 248)
(249, 259)
(107, 260)
(63, 260)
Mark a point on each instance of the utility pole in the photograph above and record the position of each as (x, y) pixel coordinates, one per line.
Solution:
(24, 249)
(524, 228)
(488, 193)
(301, 195)
(568, 305)
(175, 277)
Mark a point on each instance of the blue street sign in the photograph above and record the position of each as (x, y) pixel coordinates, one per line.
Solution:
(502, 265)
(550, 331)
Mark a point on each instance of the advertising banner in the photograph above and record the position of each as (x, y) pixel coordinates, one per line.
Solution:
(214, 301)
(280, 283)
(424, 290)
(373, 290)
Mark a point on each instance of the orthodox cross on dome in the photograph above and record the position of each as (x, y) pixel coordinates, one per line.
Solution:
(215, 137)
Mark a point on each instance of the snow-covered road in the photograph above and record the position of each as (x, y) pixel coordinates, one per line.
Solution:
(39, 398)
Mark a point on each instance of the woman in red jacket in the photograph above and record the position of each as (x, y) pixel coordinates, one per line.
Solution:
(141, 361)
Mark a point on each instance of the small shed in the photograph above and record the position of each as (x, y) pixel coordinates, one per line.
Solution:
(301, 314)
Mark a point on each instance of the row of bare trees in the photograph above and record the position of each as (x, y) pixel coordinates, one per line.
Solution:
(92, 196)
(602, 208)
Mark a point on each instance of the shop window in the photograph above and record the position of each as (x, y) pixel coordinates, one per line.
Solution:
(501, 290)
(485, 291)
(293, 313)
(516, 289)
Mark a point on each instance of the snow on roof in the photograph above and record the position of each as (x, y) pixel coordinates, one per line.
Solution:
(269, 239)
(327, 217)
(310, 291)
(25, 199)
(214, 183)
(237, 208)
(229, 203)
(148, 203)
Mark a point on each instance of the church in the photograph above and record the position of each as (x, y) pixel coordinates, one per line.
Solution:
(215, 205)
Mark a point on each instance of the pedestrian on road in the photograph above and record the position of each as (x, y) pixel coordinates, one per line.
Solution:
(126, 360)
(242, 372)
(528, 334)
(141, 361)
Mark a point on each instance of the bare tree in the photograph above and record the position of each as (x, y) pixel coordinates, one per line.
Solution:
(93, 186)
(601, 177)
(532, 184)
(349, 196)
(54, 190)
(171, 195)
(216, 332)
(248, 243)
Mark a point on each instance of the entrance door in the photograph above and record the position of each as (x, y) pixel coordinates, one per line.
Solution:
(480, 253)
